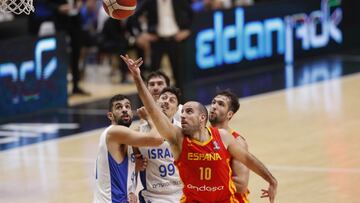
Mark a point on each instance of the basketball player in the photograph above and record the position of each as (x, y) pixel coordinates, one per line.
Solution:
(161, 179)
(115, 164)
(223, 107)
(155, 83)
(202, 154)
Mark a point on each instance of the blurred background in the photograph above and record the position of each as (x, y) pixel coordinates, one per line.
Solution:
(67, 53)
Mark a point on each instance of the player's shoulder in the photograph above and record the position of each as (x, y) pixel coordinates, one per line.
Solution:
(221, 131)
(236, 134)
(239, 138)
(108, 130)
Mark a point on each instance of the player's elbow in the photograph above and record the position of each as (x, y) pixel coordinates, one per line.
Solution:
(156, 141)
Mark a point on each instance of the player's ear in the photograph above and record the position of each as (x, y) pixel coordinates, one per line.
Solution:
(203, 117)
(230, 114)
(110, 116)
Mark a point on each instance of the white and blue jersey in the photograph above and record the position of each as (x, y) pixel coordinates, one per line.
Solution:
(113, 181)
(177, 116)
(161, 180)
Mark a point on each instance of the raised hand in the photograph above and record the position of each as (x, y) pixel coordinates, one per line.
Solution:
(270, 192)
(134, 66)
(143, 114)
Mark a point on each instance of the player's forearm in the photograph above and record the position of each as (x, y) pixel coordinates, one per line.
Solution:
(158, 118)
(145, 139)
(145, 95)
(259, 168)
(154, 140)
(146, 98)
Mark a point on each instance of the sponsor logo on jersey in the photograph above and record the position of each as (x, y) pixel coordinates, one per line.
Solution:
(203, 156)
(204, 188)
(216, 145)
(166, 184)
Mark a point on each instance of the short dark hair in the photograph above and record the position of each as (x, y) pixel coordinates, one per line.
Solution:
(234, 100)
(173, 90)
(158, 74)
(115, 98)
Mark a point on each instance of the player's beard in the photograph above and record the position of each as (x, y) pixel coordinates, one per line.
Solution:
(122, 122)
(213, 120)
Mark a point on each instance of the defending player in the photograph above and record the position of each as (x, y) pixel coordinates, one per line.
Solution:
(223, 107)
(115, 164)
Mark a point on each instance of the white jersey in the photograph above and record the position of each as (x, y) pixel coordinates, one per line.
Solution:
(177, 116)
(161, 180)
(113, 181)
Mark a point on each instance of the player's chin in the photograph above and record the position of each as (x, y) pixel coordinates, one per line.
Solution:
(212, 116)
(185, 129)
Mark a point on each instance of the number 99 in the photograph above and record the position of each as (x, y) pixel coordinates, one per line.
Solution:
(169, 170)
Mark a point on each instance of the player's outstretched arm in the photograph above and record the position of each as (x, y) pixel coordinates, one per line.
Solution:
(125, 135)
(250, 161)
(241, 179)
(161, 122)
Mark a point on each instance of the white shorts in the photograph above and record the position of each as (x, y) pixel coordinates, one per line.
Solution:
(147, 197)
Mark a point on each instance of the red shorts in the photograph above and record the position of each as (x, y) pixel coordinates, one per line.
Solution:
(242, 198)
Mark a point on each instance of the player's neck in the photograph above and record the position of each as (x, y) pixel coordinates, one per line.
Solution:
(223, 125)
(156, 97)
(202, 135)
(171, 118)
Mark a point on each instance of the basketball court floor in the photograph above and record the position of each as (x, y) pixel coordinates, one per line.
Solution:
(303, 122)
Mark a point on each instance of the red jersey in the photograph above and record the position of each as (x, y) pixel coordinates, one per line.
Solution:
(236, 135)
(205, 170)
(242, 198)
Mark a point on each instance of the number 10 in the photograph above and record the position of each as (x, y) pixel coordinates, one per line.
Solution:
(205, 173)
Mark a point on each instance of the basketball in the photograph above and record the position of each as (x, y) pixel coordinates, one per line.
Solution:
(119, 9)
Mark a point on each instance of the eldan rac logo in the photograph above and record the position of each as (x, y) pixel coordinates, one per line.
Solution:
(213, 44)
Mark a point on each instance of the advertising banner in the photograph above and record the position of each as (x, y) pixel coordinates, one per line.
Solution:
(32, 75)
(225, 41)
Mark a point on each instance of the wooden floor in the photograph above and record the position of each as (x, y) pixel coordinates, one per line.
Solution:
(309, 137)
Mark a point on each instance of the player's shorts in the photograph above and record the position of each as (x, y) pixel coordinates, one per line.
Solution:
(242, 198)
(147, 197)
